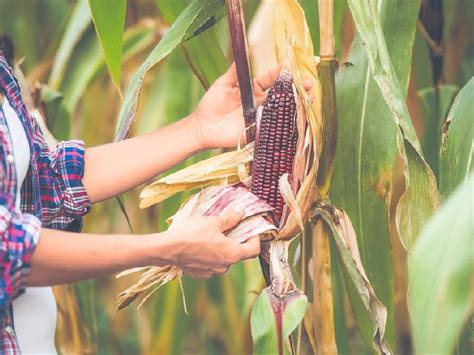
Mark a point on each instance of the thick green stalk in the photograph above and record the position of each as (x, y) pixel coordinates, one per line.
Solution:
(319, 323)
(324, 339)
(326, 71)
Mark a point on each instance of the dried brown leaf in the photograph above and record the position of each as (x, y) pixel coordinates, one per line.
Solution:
(217, 170)
(346, 243)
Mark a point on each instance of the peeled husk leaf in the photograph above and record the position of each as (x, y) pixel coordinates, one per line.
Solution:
(222, 169)
(211, 201)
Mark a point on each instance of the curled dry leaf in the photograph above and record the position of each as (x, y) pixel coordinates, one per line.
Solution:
(346, 244)
(217, 170)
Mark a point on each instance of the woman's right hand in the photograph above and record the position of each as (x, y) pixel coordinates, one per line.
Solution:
(201, 249)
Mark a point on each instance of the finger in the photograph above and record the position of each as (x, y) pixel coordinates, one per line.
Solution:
(220, 270)
(229, 77)
(251, 248)
(229, 218)
(267, 80)
(308, 84)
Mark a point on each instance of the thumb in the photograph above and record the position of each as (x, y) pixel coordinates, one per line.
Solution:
(229, 77)
(267, 80)
(229, 219)
(250, 248)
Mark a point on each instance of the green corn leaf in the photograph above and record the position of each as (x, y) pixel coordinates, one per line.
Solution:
(365, 155)
(109, 20)
(203, 52)
(311, 10)
(86, 298)
(273, 319)
(77, 25)
(435, 107)
(440, 274)
(189, 21)
(205, 57)
(87, 61)
(422, 68)
(457, 150)
(420, 198)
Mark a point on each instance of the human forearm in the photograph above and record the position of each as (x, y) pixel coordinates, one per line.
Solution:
(63, 257)
(114, 168)
(198, 247)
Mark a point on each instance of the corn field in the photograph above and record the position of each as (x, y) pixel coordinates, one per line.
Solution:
(376, 248)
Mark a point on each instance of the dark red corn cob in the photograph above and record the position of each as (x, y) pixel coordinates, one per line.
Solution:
(275, 143)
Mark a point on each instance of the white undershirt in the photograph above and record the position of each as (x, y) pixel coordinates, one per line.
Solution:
(34, 312)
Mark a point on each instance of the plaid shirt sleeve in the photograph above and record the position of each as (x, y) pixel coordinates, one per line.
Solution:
(64, 198)
(19, 233)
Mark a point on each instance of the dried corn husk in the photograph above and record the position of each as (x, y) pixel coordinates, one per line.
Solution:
(211, 201)
(218, 170)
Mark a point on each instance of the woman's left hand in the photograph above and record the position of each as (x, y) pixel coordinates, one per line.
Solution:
(218, 119)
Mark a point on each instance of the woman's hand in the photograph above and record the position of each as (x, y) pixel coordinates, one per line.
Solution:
(202, 250)
(218, 119)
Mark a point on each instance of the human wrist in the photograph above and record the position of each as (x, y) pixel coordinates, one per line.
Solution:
(195, 120)
(158, 249)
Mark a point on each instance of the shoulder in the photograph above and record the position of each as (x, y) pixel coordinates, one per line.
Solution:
(6, 71)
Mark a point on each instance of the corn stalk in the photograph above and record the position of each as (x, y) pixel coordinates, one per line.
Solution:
(240, 50)
(319, 322)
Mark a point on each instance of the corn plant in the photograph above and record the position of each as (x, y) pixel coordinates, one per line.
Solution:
(378, 248)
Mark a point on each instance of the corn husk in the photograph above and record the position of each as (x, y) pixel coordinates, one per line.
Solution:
(222, 169)
(211, 201)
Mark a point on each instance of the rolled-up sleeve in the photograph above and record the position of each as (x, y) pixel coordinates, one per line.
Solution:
(19, 234)
(63, 195)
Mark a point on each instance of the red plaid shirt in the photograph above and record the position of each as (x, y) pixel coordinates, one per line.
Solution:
(52, 196)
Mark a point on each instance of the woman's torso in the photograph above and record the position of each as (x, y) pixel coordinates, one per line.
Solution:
(34, 312)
